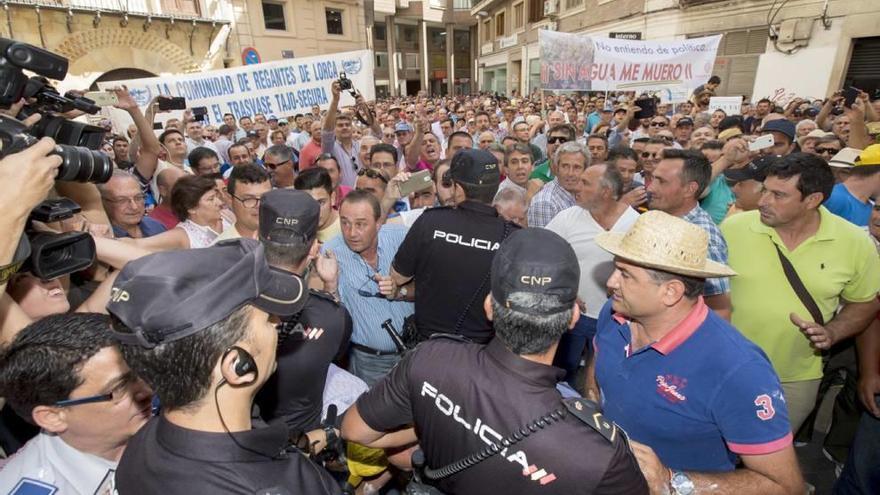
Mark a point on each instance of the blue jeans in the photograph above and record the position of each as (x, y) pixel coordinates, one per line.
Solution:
(572, 345)
(368, 367)
(861, 474)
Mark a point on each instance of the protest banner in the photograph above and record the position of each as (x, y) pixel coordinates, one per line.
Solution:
(282, 88)
(730, 105)
(586, 63)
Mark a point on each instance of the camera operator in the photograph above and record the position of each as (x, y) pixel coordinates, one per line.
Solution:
(65, 375)
(448, 252)
(498, 388)
(207, 366)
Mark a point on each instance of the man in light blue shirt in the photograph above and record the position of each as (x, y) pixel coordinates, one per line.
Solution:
(364, 253)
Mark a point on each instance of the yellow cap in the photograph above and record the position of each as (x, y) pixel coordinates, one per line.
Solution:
(869, 156)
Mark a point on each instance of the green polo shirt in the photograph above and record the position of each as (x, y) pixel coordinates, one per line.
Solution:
(542, 171)
(838, 263)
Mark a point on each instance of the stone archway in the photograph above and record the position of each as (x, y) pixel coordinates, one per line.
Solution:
(121, 75)
(95, 52)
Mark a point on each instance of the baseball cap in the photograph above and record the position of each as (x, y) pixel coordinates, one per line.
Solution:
(780, 125)
(869, 156)
(537, 261)
(288, 213)
(685, 121)
(282, 121)
(253, 134)
(272, 117)
(756, 170)
(845, 158)
(475, 166)
(403, 127)
(171, 295)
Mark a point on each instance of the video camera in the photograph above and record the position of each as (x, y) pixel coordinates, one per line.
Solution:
(55, 255)
(76, 141)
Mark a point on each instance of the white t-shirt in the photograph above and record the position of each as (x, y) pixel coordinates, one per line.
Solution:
(46, 464)
(580, 229)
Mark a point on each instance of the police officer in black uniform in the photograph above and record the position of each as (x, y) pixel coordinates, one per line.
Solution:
(197, 326)
(311, 340)
(448, 251)
(504, 393)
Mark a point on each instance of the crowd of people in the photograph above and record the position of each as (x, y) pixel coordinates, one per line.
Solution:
(560, 293)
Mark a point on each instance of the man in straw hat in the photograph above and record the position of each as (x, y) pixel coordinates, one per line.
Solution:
(681, 380)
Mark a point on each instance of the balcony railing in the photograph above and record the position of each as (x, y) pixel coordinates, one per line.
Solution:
(180, 9)
(463, 4)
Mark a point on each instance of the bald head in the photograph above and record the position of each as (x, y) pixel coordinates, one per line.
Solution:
(166, 180)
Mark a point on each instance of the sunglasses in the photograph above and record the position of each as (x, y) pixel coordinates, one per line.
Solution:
(826, 151)
(658, 124)
(273, 166)
(655, 156)
(372, 174)
(557, 139)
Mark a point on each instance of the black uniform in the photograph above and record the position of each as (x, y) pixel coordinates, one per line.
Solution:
(167, 459)
(449, 252)
(489, 394)
(293, 393)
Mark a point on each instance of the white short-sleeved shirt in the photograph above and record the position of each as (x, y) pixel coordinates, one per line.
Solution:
(46, 464)
(580, 229)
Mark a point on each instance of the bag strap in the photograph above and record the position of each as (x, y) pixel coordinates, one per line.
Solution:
(460, 321)
(798, 286)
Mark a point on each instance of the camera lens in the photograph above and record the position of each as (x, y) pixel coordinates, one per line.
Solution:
(83, 165)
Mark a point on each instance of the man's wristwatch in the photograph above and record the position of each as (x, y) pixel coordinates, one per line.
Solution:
(680, 483)
(402, 292)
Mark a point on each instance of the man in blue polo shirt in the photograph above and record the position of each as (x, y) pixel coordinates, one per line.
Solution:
(680, 380)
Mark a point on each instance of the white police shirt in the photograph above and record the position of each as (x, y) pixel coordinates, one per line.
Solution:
(46, 465)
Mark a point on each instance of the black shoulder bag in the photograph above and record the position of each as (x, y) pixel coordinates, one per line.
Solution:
(798, 287)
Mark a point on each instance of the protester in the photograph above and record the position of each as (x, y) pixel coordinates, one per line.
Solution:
(852, 198)
(123, 200)
(247, 185)
(279, 161)
(319, 185)
(728, 399)
(512, 206)
(569, 161)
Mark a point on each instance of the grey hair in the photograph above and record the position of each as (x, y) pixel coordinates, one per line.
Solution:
(572, 147)
(281, 151)
(530, 331)
(510, 195)
(117, 174)
(804, 122)
(612, 180)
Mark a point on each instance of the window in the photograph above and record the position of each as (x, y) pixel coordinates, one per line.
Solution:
(411, 61)
(518, 15)
(273, 16)
(381, 60)
(334, 21)
(499, 25)
(379, 30)
(570, 4)
(536, 10)
(487, 33)
(409, 34)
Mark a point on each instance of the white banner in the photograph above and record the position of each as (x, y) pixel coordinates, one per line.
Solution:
(283, 88)
(730, 105)
(586, 63)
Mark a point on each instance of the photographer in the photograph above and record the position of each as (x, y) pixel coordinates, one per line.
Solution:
(336, 139)
(145, 147)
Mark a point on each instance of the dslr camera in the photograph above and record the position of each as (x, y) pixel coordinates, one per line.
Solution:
(77, 143)
(55, 255)
(346, 85)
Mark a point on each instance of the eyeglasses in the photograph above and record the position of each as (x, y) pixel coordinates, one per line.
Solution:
(363, 292)
(557, 139)
(118, 393)
(658, 124)
(273, 166)
(138, 199)
(653, 156)
(248, 202)
(372, 174)
(826, 151)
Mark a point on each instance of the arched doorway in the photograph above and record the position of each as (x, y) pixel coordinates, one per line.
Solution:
(121, 74)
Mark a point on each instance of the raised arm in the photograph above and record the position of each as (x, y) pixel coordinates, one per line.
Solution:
(149, 147)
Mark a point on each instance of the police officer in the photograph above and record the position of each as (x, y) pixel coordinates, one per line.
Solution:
(448, 251)
(310, 341)
(198, 326)
(496, 392)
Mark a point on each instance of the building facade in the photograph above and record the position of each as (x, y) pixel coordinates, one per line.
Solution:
(810, 48)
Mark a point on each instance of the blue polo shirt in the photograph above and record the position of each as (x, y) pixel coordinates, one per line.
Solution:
(149, 228)
(843, 204)
(699, 396)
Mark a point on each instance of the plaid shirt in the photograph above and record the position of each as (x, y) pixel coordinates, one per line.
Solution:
(717, 249)
(549, 201)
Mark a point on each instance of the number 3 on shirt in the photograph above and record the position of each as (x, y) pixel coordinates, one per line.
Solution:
(766, 404)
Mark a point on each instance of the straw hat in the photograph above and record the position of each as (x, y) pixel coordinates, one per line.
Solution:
(663, 242)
